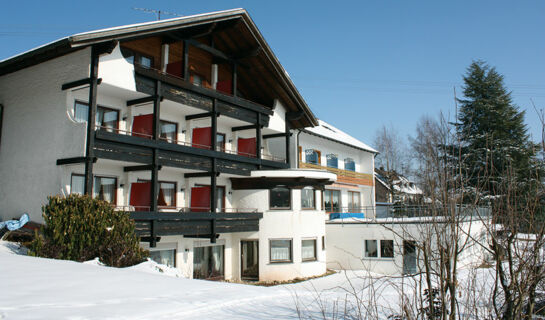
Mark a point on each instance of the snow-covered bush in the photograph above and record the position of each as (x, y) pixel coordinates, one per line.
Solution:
(80, 228)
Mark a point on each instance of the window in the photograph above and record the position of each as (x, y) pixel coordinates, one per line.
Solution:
(280, 250)
(134, 57)
(308, 250)
(166, 257)
(332, 160)
(105, 188)
(332, 200)
(386, 248)
(349, 164)
(312, 156)
(106, 118)
(307, 198)
(280, 198)
(220, 142)
(77, 185)
(371, 250)
(169, 131)
(167, 193)
(354, 202)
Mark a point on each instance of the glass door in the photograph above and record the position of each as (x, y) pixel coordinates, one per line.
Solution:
(249, 255)
(354, 202)
(208, 263)
(409, 257)
(332, 200)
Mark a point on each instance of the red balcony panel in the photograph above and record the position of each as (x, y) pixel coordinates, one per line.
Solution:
(202, 138)
(175, 68)
(225, 86)
(247, 147)
(200, 199)
(142, 126)
(140, 196)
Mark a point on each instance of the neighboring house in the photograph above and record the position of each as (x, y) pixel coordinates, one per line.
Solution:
(182, 111)
(404, 192)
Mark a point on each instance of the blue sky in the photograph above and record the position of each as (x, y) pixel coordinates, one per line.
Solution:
(358, 64)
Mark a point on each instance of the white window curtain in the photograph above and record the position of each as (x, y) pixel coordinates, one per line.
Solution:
(105, 189)
(308, 249)
(81, 111)
(280, 250)
(77, 184)
(307, 198)
(371, 249)
(165, 257)
(169, 193)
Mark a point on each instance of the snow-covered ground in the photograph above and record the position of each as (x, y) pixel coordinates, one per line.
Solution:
(37, 288)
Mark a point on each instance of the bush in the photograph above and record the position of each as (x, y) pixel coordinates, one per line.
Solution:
(80, 228)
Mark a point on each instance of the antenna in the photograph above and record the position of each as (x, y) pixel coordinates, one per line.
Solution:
(158, 12)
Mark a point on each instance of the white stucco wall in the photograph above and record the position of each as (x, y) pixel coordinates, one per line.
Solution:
(295, 224)
(37, 131)
(345, 244)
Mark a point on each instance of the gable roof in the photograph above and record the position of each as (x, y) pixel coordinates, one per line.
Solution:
(327, 131)
(248, 37)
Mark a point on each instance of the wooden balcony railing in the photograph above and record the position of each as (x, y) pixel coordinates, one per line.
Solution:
(343, 175)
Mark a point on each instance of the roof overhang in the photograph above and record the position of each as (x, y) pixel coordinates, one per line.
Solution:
(290, 178)
(83, 40)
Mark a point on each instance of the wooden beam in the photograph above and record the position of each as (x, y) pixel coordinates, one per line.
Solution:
(145, 167)
(74, 160)
(274, 135)
(248, 127)
(142, 100)
(200, 174)
(150, 239)
(79, 83)
(200, 115)
(91, 115)
(213, 51)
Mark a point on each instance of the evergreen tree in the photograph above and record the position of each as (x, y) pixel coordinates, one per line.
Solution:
(493, 137)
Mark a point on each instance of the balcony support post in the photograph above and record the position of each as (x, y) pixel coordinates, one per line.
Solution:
(213, 202)
(91, 115)
(234, 84)
(258, 137)
(214, 125)
(155, 159)
(287, 142)
(185, 64)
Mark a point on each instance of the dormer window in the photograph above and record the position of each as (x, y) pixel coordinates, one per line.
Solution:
(349, 164)
(332, 160)
(312, 156)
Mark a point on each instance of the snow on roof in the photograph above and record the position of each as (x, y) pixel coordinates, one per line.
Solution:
(328, 131)
(406, 186)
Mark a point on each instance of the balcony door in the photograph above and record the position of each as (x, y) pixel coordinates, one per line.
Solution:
(354, 202)
(249, 255)
(332, 200)
(208, 262)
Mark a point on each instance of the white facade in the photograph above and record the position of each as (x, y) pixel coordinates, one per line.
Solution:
(346, 243)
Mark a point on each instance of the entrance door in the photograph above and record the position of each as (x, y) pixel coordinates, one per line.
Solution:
(208, 262)
(249, 255)
(409, 257)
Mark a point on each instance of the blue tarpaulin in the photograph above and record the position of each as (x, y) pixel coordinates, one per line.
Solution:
(15, 224)
(345, 215)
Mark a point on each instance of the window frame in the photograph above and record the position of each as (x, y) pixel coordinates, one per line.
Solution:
(318, 156)
(281, 208)
(164, 181)
(350, 161)
(313, 199)
(76, 102)
(114, 202)
(164, 249)
(327, 160)
(291, 250)
(350, 204)
(330, 209)
(137, 57)
(175, 140)
(221, 148)
(393, 249)
(315, 258)
(365, 250)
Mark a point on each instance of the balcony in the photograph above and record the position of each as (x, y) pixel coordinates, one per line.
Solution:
(408, 211)
(343, 176)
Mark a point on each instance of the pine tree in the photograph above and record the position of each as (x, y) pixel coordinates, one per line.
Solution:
(493, 136)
